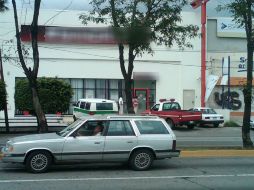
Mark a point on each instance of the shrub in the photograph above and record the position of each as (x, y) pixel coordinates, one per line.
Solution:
(54, 95)
(231, 124)
(3, 95)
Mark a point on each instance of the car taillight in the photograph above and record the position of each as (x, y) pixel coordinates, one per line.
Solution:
(207, 117)
(174, 145)
(91, 113)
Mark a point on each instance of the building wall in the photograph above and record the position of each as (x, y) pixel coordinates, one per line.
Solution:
(176, 69)
(222, 44)
(224, 47)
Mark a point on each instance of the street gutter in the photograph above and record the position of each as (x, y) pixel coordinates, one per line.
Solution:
(216, 153)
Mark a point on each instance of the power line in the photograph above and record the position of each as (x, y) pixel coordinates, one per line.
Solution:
(68, 6)
(144, 61)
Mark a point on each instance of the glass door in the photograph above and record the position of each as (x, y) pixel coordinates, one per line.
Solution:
(143, 98)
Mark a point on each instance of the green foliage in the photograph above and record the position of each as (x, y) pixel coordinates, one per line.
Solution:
(3, 95)
(54, 95)
(231, 124)
(161, 17)
(241, 11)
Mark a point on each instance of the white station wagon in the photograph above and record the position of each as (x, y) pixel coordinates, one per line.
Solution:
(137, 140)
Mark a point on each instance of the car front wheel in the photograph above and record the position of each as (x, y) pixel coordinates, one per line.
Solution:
(170, 123)
(141, 160)
(38, 161)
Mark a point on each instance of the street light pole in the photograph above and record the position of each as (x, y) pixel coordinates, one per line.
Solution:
(195, 4)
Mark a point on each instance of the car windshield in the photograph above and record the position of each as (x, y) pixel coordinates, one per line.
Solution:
(208, 111)
(68, 129)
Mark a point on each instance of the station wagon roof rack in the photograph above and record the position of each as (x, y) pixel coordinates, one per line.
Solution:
(132, 116)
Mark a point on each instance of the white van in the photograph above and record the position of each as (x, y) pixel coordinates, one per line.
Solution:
(94, 107)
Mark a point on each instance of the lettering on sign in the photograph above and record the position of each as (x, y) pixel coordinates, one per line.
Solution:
(233, 99)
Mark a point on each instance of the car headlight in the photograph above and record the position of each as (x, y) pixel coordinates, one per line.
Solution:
(8, 147)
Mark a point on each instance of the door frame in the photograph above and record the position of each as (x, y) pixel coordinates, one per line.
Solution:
(147, 90)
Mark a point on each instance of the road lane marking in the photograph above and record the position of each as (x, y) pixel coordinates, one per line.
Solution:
(124, 178)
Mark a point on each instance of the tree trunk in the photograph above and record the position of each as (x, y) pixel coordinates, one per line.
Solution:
(127, 78)
(128, 85)
(5, 103)
(41, 119)
(247, 143)
(6, 119)
(32, 74)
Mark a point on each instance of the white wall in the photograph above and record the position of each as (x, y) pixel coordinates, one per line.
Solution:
(178, 70)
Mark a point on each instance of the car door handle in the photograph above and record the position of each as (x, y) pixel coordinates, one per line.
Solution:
(97, 142)
(129, 141)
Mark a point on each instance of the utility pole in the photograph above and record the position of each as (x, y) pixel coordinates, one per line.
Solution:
(195, 4)
(5, 103)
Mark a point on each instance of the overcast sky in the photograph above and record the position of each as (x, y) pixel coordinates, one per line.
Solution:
(84, 5)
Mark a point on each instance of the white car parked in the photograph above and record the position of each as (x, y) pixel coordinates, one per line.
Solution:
(209, 116)
(251, 124)
(137, 140)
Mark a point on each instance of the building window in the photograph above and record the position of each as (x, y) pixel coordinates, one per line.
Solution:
(110, 89)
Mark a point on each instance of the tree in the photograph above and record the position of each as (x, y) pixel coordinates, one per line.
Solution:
(156, 20)
(54, 95)
(32, 73)
(243, 13)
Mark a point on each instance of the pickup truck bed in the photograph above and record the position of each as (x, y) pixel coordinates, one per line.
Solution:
(174, 116)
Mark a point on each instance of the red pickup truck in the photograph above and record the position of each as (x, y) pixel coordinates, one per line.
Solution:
(171, 111)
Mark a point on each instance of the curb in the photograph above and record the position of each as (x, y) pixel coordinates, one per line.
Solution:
(216, 153)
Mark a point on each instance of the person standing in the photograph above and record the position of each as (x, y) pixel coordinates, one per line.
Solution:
(120, 101)
(135, 104)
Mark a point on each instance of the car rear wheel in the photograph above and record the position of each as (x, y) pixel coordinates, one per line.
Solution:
(191, 126)
(216, 125)
(38, 161)
(170, 123)
(141, 160)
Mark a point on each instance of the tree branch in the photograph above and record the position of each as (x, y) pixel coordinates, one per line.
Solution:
(34, 35)
(21, 58)
(113, 12)
(121, 58)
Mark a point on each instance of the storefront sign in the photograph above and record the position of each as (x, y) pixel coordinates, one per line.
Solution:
(226, 27)
(70, 35)
(242, 65)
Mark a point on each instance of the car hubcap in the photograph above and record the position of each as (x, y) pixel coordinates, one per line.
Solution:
(142, 160)
(39, 162)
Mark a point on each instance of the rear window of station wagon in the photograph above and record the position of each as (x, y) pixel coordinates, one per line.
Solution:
(120, 128)
(151, 127)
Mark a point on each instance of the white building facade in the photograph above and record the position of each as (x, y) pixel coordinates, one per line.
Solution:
(93, 70)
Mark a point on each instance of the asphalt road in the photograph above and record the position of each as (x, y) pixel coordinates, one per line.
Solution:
(176, 173)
